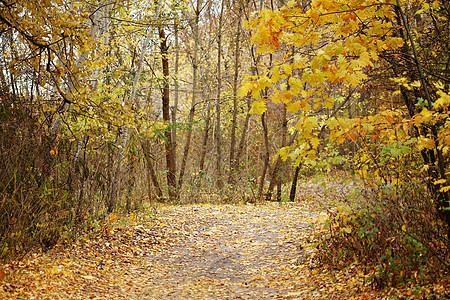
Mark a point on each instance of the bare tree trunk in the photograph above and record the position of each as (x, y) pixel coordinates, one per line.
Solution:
(170, 158)
(131, 183)
(218, 137)
(294, 184)
(176, 92)
(235, 88)
(266, 155)
(205, 140)
(279, 186)
(194, 95)
(240, 149)
(274, 177)
(151, 170)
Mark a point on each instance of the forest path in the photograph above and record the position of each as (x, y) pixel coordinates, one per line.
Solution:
(184, 252)
(234, 252)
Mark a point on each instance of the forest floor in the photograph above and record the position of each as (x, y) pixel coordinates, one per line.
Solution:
(197, 251)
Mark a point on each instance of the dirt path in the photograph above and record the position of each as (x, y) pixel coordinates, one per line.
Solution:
(233, 252)
(188, 252)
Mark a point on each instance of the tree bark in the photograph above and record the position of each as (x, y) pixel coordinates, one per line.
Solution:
(294, 184)
(235, 88)
(218, 133)
(274, 176)
(194, 95)
(176, 92)
(170, 158)
(432, 157)
(266, 155)
(240, 149)
(205, 141)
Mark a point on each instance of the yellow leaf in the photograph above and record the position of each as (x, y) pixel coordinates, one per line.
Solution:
(404, 228)
(309, 124)
(245, 89)
(258, 107)
(294, 107)
(276, 74)
(284, 152)
(426, 114)
(292, 3)
(314, 14)
(287, 68)
(445, 189)
(328, 104)
(354, 80)
(443, 101)
(439, 85)
(415, 84)
(315, 142)
(440, 181)
(425, 143)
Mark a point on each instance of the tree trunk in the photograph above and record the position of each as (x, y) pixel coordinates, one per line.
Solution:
(266, 155)
(194, 95)
(240, 149)
(151, 170)
(235, 88)
(131, 183)
(218, 133)
(432, 157)
(294, 184)
(176, 92)
(205, 140)
(274, 176)
(170, 158)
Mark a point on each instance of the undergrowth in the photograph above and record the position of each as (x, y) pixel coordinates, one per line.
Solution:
(394, 231)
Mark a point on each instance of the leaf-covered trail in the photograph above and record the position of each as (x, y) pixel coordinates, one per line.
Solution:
(231, 251)
(186, 252)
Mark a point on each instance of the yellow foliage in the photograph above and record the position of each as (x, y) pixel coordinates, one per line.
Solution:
(258, 107)
(425, 143)
(284, 152)
(443, 102)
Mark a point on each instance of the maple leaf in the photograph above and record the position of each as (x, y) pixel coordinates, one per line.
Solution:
(245, 88)
(294, 106)
(425, 143)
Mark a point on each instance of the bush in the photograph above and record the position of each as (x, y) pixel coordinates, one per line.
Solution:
(395, 230)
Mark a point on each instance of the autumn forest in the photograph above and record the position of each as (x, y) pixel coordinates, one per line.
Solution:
(295, 149)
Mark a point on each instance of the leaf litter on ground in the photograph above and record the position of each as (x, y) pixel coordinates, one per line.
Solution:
(245, 251)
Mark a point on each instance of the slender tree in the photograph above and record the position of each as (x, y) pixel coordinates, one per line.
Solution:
(195, 29)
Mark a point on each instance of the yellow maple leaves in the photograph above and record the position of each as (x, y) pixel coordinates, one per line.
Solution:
(259, 107)
(337, 43)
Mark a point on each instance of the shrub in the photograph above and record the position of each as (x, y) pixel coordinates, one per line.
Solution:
(395, 230)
